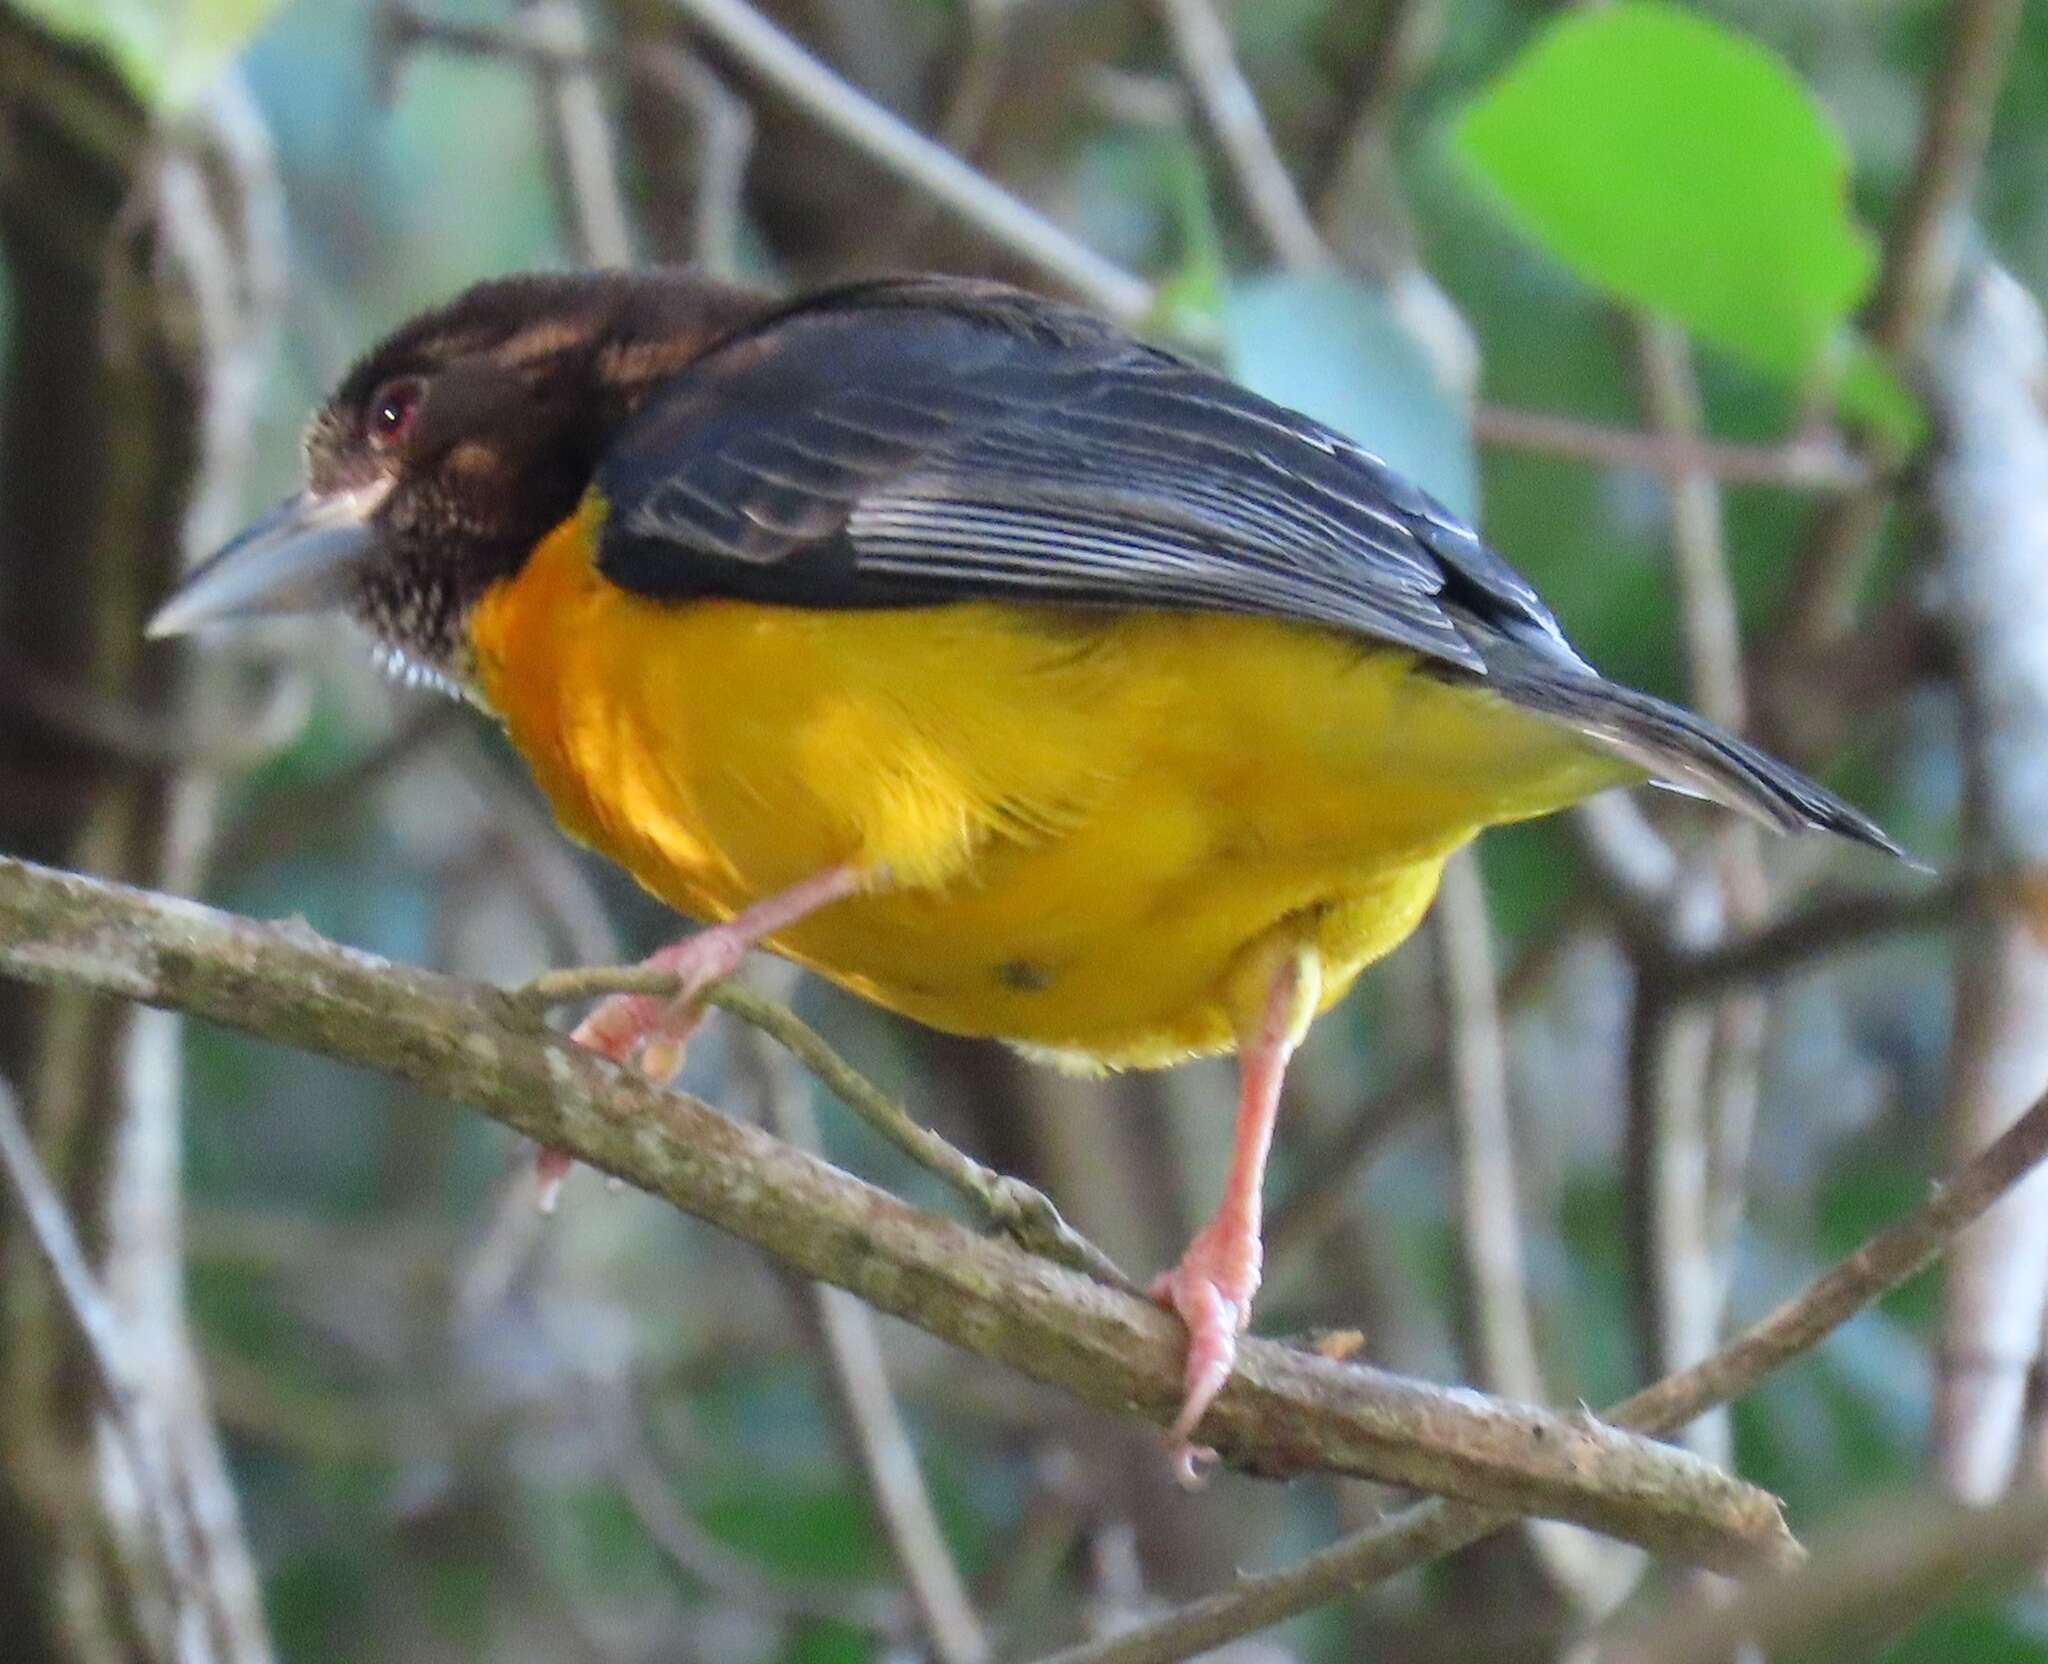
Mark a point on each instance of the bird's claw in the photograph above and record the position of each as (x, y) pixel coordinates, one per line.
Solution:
(650, 1030)
(1211, 1289)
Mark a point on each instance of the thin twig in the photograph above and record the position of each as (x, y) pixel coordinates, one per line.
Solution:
(106, 1351)
(1489, 1207)
(1283, 1411)
(963, 119)
(89, 721)
(1924, 238)
(1022, 1213)
(1913, 283)
(1503, 1331)
(1815, 462)
(578, 134)
(1431, 1529)
(1699, 1094)
(1792, 942)
(1208, 62)
(781, 63)
(722, 136)
(399, 29)
(1631, 863)
(1361, 215)
(1903, 1560)
(279, 821)
(698, 1554)
(867, 1403)
(1355, 172)
(1306, 1213)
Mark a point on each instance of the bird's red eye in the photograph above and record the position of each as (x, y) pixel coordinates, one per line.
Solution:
(391, 409)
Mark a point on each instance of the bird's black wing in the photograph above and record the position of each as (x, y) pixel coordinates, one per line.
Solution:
(909, 443)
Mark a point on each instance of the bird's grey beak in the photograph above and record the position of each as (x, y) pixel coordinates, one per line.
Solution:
(298, 558)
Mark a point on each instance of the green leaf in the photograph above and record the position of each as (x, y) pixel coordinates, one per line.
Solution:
(1686, 169)
(1330, 346)
(168, 51)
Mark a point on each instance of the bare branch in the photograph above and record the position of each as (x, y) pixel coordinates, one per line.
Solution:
(1307, 1212)
(1696, 1086)
(1024, 1214)
(1792, 942)
(722, 136)
(1438, 1527)
(1924, 237)
(1353, 191)
(1362, 216)
(399, 29)
(1903, 1560)
(1490, 1209)
(1913, 283)
(698, 1554)
(1208, 62)
(282, 819)
(1994, 566)
(1635, 867)
(1819, 462)
(1284, 1411)
(578, 134)
(127, 1405)
(142, 737)
(781, 63)
(867, 1403)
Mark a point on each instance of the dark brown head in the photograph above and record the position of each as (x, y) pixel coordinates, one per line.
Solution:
(453, 447)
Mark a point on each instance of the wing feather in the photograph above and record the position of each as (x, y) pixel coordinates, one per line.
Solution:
(900, 445)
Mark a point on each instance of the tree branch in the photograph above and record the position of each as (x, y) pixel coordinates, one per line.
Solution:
(1793, 941)
(1284, 1412)
(1026, 1215)
(1591, 1574)
(873, 1421)
(1208, 63)
(1439, 1527)
(1916, 276)
(1902, 1561)
(1993, 551)
(1819, 462)
(766, 52)
(106, 1350)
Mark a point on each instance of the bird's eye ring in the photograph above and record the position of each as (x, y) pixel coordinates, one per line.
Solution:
(392, 408)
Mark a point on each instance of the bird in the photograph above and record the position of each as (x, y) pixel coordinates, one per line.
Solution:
(1018, 674)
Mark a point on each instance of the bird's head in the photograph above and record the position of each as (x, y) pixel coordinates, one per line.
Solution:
(452, 447)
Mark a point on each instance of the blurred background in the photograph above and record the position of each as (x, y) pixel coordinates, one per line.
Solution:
(1717, 316)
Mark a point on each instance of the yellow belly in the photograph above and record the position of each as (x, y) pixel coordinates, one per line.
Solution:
(1088, 820)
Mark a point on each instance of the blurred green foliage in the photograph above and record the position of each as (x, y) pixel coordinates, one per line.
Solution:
(418, 1492)
(171, 51)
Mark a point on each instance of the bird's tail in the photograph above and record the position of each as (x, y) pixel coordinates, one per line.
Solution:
(1689, 753)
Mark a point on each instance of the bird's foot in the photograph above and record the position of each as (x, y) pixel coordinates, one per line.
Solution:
(655, 1028)
(1211, 1288)
(652, 1029)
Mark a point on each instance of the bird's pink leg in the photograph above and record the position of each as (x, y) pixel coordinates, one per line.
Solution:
(655, 1028)
(1212, 1286)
